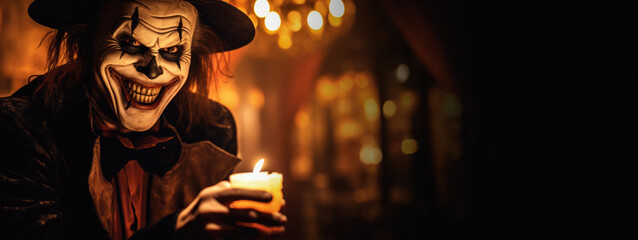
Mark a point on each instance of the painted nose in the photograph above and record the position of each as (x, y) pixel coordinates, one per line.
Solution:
(151, 70)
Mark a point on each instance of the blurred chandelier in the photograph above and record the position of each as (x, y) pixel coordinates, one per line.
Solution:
(298, 26)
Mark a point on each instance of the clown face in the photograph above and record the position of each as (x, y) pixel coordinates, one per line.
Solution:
(143, 52)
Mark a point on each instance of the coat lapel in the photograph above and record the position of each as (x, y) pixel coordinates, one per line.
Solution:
(101, 191)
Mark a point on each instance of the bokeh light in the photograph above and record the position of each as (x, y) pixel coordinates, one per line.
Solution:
(294, 21)
(321, 7)
(408, 99)
(389, 108)
(345, 83)
(302, 118)
(315, 21)
(349, 129)
(326, 89)
(284, 41)
(334, 21)
(370, 155)
(409, 146)
(256, 98)
(371, 109)
(402, 73)
(336, 8)
(362, 79)
(261, 8)
(228, 96)
(272, 21)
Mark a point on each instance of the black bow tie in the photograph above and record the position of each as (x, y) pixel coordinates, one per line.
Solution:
(156, 160)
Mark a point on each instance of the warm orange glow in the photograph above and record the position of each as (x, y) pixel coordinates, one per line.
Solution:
(301, 167)
(334, 21)
(299, 1)
(345, 83)
(294, 21)
(409, 146)
(351, 8)
(258, 166)
(350, 129)
(256, 98)
(302, 118)
(254, 19)
(371, 109)
(284, 41)
(344, 106)
(321, 7)
(362, 79)
(336, 8)
(242, 9)
(326, 89)
(228, 95)
(315, 20)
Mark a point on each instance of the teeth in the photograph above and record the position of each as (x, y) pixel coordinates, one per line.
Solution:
(143, 94)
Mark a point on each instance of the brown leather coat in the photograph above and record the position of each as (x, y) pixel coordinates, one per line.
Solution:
(52, 185)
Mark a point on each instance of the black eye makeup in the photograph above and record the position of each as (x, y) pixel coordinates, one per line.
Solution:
(172, 53)
(130, 45)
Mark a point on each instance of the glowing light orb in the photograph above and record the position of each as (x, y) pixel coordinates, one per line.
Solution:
(315, 20)
(256, 98)
(261, 7)
(272, 21)
(326, 89)
(389, 108)
(371, 109)
(370, 155)
(409, 146)
(294, 21)
(403, 72)
(336, 8)
(284, 41)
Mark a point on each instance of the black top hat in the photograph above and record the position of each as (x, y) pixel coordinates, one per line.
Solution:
(230, 24)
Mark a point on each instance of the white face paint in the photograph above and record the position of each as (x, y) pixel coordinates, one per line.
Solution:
(144, 60)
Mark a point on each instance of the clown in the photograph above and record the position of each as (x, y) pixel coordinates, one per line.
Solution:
(118, 139)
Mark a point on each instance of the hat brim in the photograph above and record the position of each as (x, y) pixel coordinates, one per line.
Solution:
(231, 25)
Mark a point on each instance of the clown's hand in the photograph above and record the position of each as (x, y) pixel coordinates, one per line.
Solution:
(209, 216)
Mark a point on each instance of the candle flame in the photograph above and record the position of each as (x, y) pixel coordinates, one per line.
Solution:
(258, 166)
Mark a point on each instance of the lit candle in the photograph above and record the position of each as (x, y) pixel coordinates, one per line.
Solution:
(257, 180)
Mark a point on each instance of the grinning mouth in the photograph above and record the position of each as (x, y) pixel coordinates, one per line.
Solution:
(140, 95)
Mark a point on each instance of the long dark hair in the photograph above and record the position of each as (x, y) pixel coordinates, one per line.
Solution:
(69, 59)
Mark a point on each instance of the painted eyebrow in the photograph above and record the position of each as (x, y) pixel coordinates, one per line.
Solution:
(173, 16)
